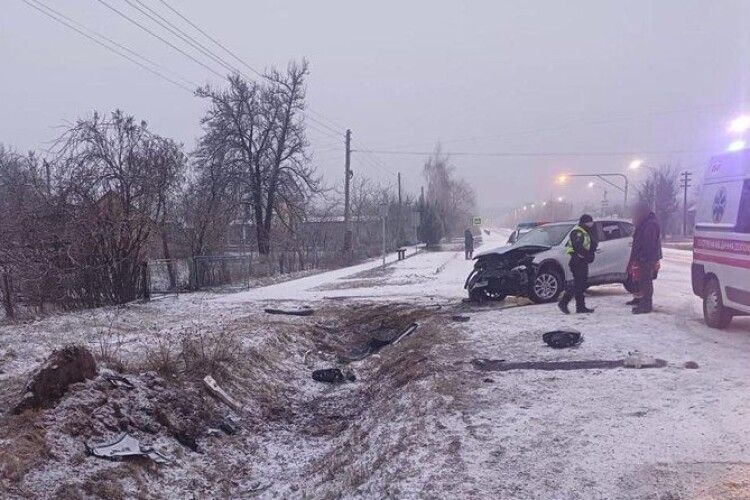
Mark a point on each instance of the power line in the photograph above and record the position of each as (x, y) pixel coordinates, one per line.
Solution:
(202, 32)
(69, 23)
(337, 129)
(147, 30)
(597, 154)
(321, 131)
(176, 31)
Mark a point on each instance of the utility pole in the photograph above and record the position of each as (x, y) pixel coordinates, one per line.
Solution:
(399, 216)
(685, 185)
(399, 190)
(383, 213)
(347, 178)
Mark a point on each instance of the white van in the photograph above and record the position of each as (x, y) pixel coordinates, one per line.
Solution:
(721, 246)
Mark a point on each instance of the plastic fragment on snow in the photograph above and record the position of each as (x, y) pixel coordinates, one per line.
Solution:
(124, 446)
(214, 388)
(560, 339)
(229, 425)
(116, 381)
(408, 331)
(305, 311)
(333, 376)
(636, 359)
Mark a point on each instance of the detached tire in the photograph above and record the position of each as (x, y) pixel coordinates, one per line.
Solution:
(714, 312)
(547, 286)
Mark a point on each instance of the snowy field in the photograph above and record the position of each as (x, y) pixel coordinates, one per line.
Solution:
(421, 420)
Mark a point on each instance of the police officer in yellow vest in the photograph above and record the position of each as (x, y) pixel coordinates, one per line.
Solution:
(581, 247)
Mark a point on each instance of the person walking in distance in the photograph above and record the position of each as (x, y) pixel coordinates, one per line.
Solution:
(581, 247)
(468, 243)
(645, 256)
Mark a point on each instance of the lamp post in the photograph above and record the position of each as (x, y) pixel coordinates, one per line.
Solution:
(563, 178)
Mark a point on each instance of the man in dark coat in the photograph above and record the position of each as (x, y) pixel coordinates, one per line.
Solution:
(581, 247)
(468, 243)
(645, 255)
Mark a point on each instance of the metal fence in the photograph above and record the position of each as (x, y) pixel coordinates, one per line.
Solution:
(214, 271)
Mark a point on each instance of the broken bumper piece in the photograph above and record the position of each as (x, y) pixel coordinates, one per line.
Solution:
(124, 446)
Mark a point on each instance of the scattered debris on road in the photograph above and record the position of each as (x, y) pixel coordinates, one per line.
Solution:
(637, 359)
(500, 365)
(229, 425)
(333, 375)
(213, 387)
(561, 339)
(691, 365)
(460, 318)
(408, 331)
(49, 382)
(305, 311)
(116, 381)
(125, 446)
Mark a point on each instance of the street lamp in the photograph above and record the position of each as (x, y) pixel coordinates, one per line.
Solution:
(739, 125)
(635, 164)
(591, 184)
(562, 178)
(559, 199)
(737, 145)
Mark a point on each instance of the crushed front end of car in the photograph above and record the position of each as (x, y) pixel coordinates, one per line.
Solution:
(507, 271)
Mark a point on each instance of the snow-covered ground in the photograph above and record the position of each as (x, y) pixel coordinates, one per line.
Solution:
(422, 420)
(588, 433)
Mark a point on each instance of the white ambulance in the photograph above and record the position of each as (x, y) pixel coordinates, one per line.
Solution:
(721, 246)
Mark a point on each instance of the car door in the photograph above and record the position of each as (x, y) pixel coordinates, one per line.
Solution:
(613, 252)
(599, 267)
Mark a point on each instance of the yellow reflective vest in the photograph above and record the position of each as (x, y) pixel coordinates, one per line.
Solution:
(586, 240)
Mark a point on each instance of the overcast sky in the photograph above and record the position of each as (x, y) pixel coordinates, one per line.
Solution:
(653, 79)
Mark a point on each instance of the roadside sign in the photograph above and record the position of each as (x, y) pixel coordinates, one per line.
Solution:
(477, 221)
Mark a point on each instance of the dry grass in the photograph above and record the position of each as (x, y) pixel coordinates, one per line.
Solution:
(25, 446)
(193, 352)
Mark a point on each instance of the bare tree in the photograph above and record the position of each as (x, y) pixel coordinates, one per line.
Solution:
(452, 198)
(207, 206)
(660, 191)
(256, 131)
(115, 177)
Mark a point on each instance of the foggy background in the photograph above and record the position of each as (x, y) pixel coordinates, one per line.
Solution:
(581, 87)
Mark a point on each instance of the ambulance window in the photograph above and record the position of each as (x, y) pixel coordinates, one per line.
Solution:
(743, 217)
(627, 228)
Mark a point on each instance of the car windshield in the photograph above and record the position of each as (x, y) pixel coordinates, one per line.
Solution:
(546, 235)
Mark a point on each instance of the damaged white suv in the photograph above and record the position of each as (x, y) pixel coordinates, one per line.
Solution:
(536, 266)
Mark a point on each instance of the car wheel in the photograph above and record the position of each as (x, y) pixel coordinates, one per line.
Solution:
(714, 312)
(547, 286)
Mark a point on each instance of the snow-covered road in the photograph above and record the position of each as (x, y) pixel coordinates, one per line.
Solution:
(426, 274)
